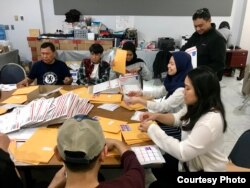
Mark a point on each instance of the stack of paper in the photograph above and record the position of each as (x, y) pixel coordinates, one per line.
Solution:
(22, 95)
(111, 127)
(95, 98)
(44, 112)
(132, 135)
(132, 106)
(39, 148)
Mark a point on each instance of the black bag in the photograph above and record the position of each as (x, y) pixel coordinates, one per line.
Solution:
(166, 43)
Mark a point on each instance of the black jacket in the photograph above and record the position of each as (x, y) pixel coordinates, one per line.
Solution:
(211, 49)
(8, 175)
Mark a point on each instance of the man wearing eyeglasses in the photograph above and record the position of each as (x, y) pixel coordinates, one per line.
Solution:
(210, 44)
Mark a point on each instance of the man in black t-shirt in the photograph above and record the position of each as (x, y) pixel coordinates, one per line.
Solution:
(48, 71)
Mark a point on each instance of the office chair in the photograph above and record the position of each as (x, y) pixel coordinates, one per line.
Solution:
(12, 73)
(240, 154)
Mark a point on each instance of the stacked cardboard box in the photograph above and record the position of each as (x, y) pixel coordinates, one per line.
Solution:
(62, 44)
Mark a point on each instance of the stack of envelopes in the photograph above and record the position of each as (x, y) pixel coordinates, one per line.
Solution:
(132, 135)
(111, 127)
(39, 148)
(95, 98)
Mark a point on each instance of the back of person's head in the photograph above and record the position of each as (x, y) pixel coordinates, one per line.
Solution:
(202, 13)
(224, 24)
(96, 49)
(80, 141)
(48, 45)
(207, 90)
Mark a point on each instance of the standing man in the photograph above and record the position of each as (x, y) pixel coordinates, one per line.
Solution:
(49, 70)
(210, 44)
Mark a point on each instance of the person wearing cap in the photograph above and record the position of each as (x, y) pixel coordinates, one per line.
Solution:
(210, 44)
(93, 70)
(82, 148)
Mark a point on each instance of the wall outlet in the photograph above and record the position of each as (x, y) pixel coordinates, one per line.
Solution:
(16, 18)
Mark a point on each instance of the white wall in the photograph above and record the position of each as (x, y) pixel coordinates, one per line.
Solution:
(30, 10)
(149, 27)
(244, 42)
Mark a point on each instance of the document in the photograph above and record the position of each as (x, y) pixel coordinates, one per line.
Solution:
(110, 125)
(37, 149)
(149, 154)
(111, 84)
(119, 63)
(16, 99)
(193, 53)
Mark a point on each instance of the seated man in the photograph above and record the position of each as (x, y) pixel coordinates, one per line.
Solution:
(93, 70)
(9, 176)
(82, 147)
(48, 71)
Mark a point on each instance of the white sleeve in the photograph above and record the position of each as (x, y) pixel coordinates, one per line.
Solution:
(172, 102)
(204, 135)
(156, 93)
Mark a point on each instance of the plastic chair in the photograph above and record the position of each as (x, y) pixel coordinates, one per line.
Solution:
(12, 73)
(240, 154)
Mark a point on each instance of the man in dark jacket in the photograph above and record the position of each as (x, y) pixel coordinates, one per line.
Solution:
(210, 44)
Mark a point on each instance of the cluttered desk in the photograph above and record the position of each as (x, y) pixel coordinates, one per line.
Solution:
(36, 151)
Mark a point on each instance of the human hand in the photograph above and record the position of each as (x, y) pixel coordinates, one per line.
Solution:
(135, 94)
(119, 145)
(4, 142)
(132, 100)
(148, 116)
(23, 83)
(144, 126)
(67, 80)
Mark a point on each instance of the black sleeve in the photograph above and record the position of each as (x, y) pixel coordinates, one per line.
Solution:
(8, 175)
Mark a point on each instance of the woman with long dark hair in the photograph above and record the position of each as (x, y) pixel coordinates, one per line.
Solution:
(203, 124)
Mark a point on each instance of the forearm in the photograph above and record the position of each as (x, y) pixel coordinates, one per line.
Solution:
(167, 119)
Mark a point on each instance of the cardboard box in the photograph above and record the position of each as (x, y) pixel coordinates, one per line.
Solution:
(68, 44)
(32, 41)
(34, 32)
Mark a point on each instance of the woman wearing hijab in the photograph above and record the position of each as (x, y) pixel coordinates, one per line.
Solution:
(134, 64)
(171, 92)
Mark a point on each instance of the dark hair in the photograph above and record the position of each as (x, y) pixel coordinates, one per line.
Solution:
(202, 13)
(50, 45)
(96, 49)
(207, 89)
(129, 46)
(224, 24)
(80, 167)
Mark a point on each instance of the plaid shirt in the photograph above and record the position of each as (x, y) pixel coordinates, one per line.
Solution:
(85, 70)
